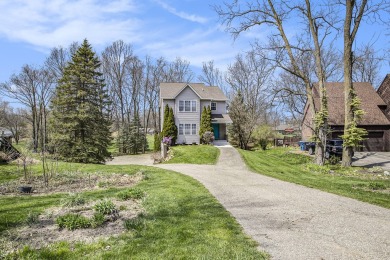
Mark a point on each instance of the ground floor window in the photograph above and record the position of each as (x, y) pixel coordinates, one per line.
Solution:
(187, 129)
(180, 129)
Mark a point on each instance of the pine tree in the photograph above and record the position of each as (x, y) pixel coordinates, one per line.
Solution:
(205, 122)
(169, 126)
(137, 138)
(173, 128)
(202, 127)
(166, 119)
(209, 126)
(80, 122)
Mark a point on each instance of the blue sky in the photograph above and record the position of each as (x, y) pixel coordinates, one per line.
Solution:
(169, 28)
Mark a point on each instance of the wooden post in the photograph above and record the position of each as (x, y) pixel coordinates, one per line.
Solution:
(164, 150)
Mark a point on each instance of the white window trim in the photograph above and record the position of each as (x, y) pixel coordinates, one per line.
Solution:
(181, 129)
(211, 106)
(184, 101)
(185, 129)
(191, 129)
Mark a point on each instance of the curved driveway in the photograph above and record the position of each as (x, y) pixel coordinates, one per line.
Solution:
(291, 221)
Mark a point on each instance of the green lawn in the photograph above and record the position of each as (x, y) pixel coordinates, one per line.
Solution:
(183, 221)
(194, 154)
(351, 182)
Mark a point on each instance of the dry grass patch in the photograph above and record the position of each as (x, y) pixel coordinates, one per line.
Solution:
(73, 182)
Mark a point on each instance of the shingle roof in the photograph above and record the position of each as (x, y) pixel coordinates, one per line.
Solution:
(171, 90)
(370, 101)
(221, 119)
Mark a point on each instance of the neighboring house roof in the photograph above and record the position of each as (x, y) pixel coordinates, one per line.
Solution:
(370, 100)
(171, 90)
(4, 132)
(221, 119)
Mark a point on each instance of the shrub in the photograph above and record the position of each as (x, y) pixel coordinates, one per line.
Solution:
(32, 218)
(105, 207)
(333, 160)
(72, 200)
(73, 221)
(208, 137)
(97, 220)
(134, 193)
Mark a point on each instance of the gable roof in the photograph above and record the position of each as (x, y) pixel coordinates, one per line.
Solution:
(384, 88)
(370, 100)
(169, 90)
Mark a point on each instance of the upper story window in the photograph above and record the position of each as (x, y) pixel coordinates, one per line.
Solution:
(187, 106)
(213, 105)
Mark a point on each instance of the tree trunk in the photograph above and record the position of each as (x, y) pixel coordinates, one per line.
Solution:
(349, 36)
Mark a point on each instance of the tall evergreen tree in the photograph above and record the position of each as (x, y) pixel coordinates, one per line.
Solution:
(169, 126)
(80, 122)
(205, 122)
(136, 140)
(173, 126)
(209, 126)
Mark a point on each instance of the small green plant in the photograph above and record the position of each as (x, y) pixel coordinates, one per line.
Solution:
(122, 207)
(73, 221)
(376, 186)
(105, 207)
(136, 224)
(333, 160)
(72, 200)
(133, 193)
(32, 218)
(97, 220)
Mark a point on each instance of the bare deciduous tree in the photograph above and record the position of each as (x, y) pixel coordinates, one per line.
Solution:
(366, 65)
(115, 60)
(33, 88)
(288, 50)
(12, 119)
(179, 71)
(213, 76)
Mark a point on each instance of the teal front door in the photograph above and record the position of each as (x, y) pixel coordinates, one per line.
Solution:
(216, 131)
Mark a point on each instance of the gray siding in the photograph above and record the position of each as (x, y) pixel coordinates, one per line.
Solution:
(187, 117)
(204, 103)
(191, 117)
(221, 108)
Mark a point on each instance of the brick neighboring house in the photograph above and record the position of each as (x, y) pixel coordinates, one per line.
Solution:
(384, 92)
(374, 121)
(187, 101)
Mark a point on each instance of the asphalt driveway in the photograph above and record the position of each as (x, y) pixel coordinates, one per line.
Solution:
(291, 221)
(371, 159)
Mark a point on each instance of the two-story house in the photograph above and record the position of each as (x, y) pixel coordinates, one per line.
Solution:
(187, 101)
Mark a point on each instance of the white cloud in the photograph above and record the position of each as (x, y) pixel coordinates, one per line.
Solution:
(183, 15)
(199, 46)
(46, 24)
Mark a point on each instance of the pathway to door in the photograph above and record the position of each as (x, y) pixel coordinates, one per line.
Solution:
(291, 221)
